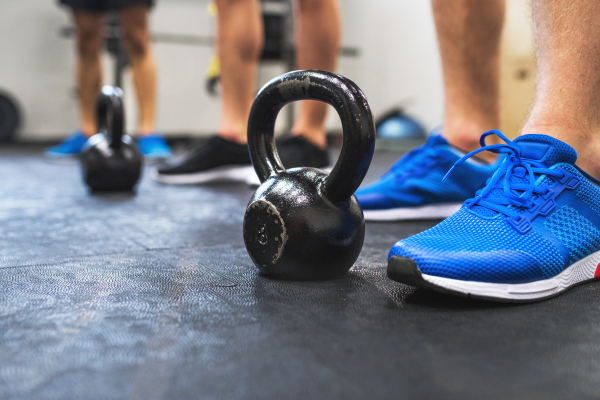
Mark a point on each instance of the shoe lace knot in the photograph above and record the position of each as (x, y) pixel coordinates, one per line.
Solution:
(520, 180)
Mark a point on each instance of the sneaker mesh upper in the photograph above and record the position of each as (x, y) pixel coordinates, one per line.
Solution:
(468, 247)
(575, 231)
(590, 195)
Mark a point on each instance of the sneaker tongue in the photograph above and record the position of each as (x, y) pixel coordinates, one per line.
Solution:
(545, 149)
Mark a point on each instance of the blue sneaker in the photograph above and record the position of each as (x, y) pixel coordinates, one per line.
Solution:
(70, 147)
(154, 147)
(531, 233)
(413, 188)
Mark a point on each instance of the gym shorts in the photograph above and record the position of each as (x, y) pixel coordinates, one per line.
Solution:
(103, 5)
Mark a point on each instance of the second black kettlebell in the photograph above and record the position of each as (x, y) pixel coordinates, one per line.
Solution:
(110, 160)
(302, 223)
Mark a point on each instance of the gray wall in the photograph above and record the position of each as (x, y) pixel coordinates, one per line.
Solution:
(398, 64)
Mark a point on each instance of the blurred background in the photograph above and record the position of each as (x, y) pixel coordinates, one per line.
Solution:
(390, 51)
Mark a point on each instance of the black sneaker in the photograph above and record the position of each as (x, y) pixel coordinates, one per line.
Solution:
(299, 152)
(216, 160)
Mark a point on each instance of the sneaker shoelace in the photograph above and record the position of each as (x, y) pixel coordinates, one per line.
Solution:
(516, 185)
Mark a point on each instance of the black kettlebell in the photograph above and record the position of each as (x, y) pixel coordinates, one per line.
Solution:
(110, 161)
(303, 224)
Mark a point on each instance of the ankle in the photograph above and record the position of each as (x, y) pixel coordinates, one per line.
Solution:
(235, 137)
(87, 132)
(234, 130)
(146, 131)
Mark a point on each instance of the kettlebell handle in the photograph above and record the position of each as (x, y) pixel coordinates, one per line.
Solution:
(109, 114)
(354, 112)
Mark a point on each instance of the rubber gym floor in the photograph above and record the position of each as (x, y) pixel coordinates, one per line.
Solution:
(153, 296)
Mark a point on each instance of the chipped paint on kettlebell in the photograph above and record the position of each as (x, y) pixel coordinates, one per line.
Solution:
(265, 232)
(293, 89)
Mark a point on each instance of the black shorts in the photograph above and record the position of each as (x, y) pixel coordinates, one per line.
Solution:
(103, 5)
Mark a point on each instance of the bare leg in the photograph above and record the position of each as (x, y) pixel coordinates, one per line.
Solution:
(239, 38)
(318, 42)
(567, 105)
(88, 27)
(134, 20)
(469, 39)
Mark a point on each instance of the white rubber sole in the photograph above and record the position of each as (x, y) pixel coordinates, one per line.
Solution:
(219, 174)
(154, 160)
(434, 211)
(582, 271)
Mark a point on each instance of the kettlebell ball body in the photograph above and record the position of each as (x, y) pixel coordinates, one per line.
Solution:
(106, 169)
(294, 232)
(302, 223)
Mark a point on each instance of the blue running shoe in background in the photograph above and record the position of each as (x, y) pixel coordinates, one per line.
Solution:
(154, 147)
(531, 233)
(70, 147)
(413, 187)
